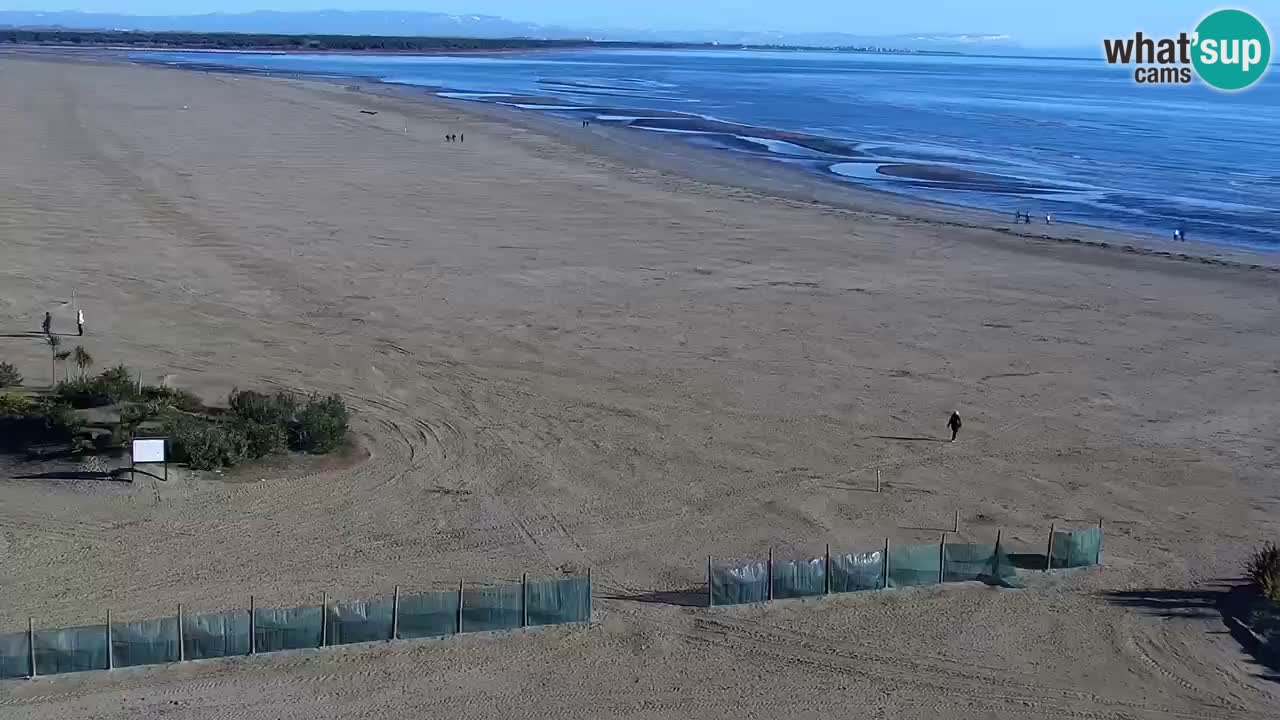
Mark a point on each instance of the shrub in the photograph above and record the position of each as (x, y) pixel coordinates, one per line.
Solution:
(184, 400)
(36, 423)
(320, 426)
(262, 439)
(1263, 568)
(205, 445)
(116, 384)
(108, 387)
(9, 375)
(15, 404)
(261, 408)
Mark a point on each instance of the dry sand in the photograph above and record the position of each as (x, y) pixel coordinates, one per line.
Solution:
(559, 362)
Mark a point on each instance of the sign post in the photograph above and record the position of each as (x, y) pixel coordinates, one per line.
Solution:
(149, 450)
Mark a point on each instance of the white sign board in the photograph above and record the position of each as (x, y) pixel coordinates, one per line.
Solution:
(148, 451)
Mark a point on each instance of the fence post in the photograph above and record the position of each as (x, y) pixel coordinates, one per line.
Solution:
(31, 643)
(942, 559)
(956, 527)
(711, 598)
(324, 619)
(253, 627)
(524, 600)
(999, 536)
(826, 573)
(395, 614)
(769, 575)
(182, 652)
(591, 602)
(1097, 559)
(1048, 556)
(110, 660)
(877, 480)
(460, 606)
(884, 570)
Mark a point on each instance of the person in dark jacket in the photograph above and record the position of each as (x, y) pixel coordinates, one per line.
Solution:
(47, 325)
(954, 423)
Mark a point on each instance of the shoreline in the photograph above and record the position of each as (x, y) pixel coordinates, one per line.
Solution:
(759, 174)
(632, 148)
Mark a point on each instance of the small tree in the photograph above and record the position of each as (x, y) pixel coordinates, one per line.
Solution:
(9, 375)
(82, 359)
(1263, 568)
(320, 426)
(54, 342)
(62, 357)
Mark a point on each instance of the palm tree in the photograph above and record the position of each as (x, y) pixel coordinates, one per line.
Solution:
(82, 359)
(62, 358)
(54, 341)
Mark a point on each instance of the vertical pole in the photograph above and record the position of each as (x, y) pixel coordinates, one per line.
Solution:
(1097, 559)
(524, 600)
(826, 573)
(460, 607)
(884, 566)
(942, 559)
(395, 614)
(253, 627)
(769, 575)
(591, 603)
(1048, 559)
(324, 618)
(956, 528)
(999, 537)
(110, 659)
(31, 644)
(711, 598)
(877, 480)
(182, 652)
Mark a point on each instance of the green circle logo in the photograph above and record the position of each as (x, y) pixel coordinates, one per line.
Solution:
(1232, 49)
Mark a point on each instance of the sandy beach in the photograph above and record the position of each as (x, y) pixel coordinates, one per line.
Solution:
(569, 350)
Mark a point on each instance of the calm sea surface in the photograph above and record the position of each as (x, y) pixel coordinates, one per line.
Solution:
(1075, 138)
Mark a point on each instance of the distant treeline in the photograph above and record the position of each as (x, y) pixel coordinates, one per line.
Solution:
(252, 41)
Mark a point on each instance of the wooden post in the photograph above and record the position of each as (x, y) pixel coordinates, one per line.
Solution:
(253, 627)
(826, 572)
(877, 480)
(942, 559)
(1048, 560)
(31, 643)
(999, 536)
(956, 528)
(711, 598)
(769, 575)
(884, 563)
(460, 607)
(591, 601)
(1097, 559)
(395, 614)
(324, 618)
(524, 600)
(110, 660)
(182, 652)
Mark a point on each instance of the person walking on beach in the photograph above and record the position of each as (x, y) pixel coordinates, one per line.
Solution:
(954, 424)
(1048, 219)
(47, 325)
(79, 322)
(462, 137)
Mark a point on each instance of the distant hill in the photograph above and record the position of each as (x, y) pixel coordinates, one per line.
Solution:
(409, 24)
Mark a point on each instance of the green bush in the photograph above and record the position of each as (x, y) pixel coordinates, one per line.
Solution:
(262, 439)
(14, 404)
(1263, 568)
(105, 388)
(36, 423)
(184, 400)
(320, 426)
(206, 445)
(9, 375)
(261, 408)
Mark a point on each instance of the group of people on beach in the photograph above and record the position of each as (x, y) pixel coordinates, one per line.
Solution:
(459, 137)
(47, 325)
(1025, 217)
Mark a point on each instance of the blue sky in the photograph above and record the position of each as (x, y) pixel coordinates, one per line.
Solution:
(1052, 23)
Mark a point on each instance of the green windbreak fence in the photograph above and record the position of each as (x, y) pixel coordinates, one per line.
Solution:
(911, 565)
(286, 628)
(492, 608)
(358, 622)
(739, 584)
(853, 572)
(15, 655)
(217, 634)
(145, 642)
(984, 563)
(1077, 548)
(799, 578)
(432, 614)
(71, 649)
(559, 601)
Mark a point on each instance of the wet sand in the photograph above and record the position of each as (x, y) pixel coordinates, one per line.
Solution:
(575, 349)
